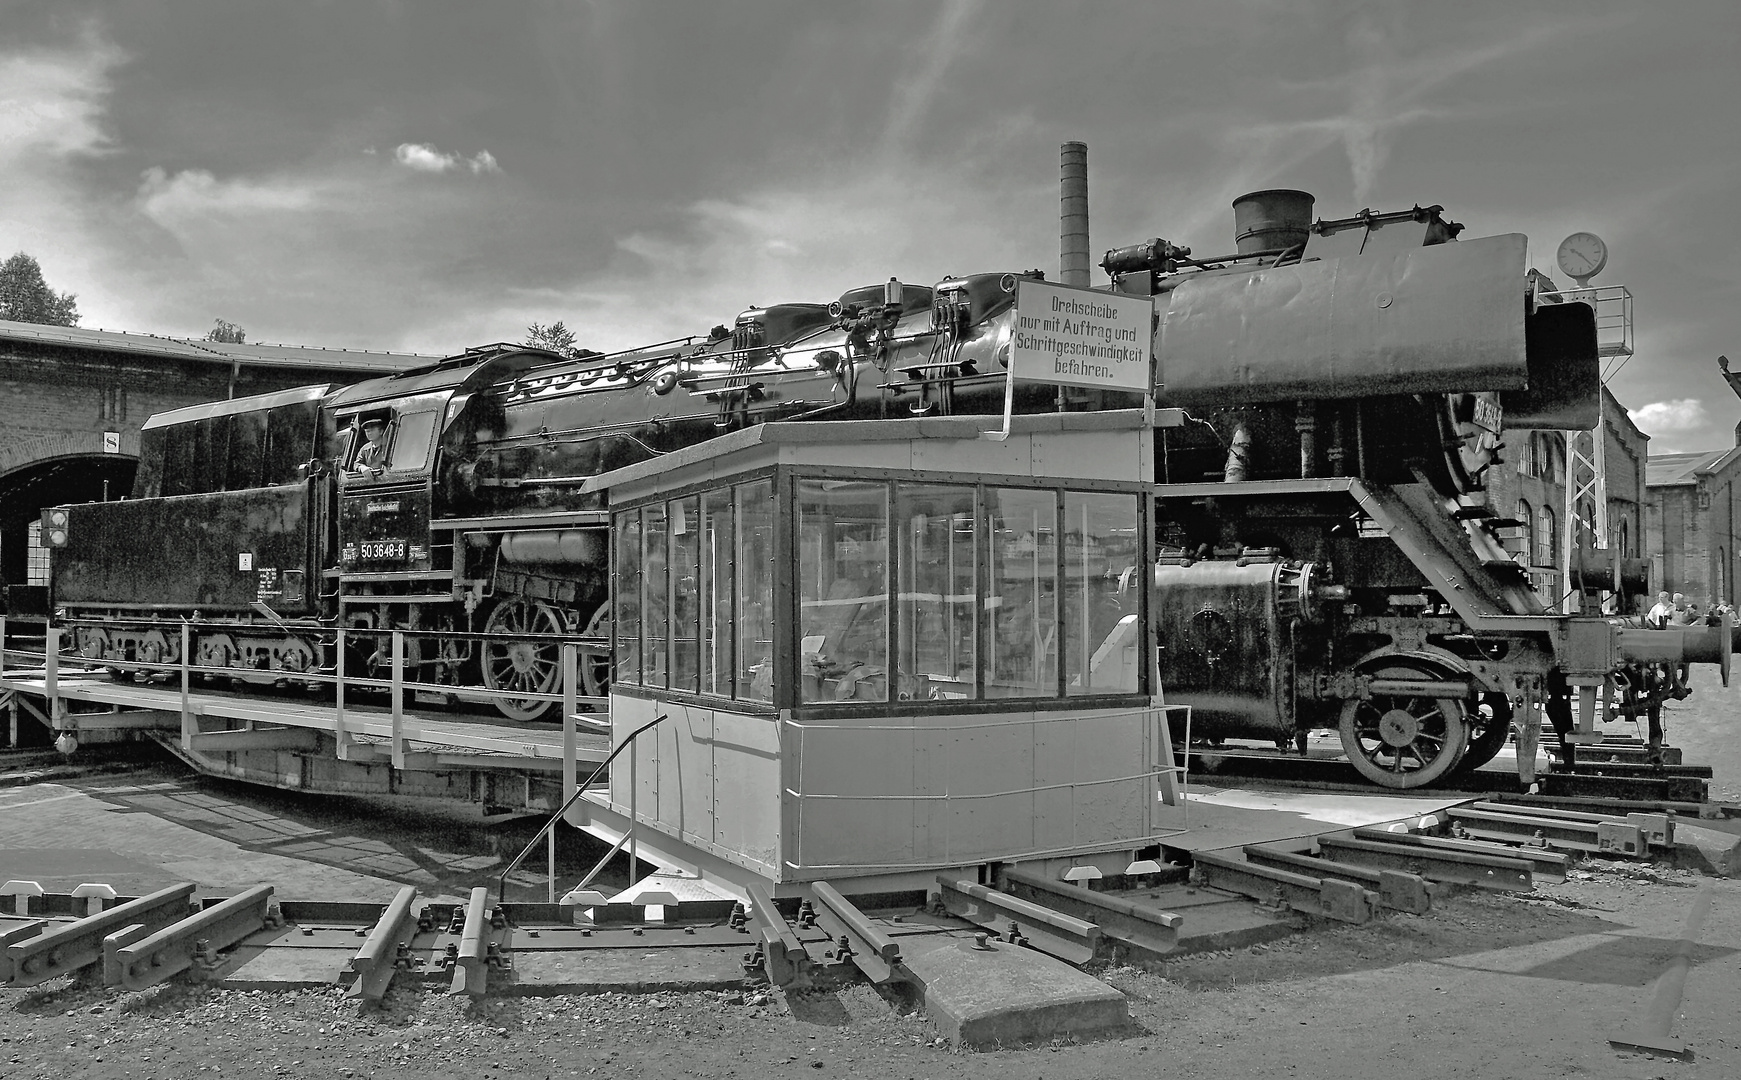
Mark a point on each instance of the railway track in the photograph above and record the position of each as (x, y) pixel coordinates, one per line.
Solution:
(1611, 776)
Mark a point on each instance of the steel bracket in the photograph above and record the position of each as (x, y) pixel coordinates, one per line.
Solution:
(1620, 838)
(1020, 921)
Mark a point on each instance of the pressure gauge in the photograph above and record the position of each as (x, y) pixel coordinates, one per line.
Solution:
(1583, 255)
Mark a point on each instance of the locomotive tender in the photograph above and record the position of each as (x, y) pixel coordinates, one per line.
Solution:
(1328, 398)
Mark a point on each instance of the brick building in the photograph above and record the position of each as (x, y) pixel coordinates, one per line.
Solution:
(72, 402)
(1530, 486)
(1693, 516)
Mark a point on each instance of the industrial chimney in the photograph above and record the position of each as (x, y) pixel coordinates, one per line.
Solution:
(1073, 215)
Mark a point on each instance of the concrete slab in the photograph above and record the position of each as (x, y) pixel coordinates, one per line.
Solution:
(623, 971)
(64, 869)
(1214, 818)
(1213, 919)
(688, 889)
(1006, 994)
(257, 967)
(1709, 851)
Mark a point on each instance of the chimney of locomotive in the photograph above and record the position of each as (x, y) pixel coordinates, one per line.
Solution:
(1073, 215)
(1272, 220)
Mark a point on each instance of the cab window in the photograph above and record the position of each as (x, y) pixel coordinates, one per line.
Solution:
(412, 435)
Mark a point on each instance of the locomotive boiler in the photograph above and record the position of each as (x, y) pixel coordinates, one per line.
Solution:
(1327, 398)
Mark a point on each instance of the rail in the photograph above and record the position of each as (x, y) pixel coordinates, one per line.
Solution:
(574, 797)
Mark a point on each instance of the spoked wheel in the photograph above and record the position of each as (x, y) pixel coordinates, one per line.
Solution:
(1491, 721)
(595, 662)
(525, 666)
(1403, 741)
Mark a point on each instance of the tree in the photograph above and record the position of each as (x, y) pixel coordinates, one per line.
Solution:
(555, 337)
(25, 297)
(227, 332)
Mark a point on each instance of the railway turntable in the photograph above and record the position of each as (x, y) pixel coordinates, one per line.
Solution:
(879, 621)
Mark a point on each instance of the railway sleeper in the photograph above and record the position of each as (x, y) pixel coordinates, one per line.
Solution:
(1652, 788)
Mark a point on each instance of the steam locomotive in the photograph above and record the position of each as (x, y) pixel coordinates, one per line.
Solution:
(1327, 398)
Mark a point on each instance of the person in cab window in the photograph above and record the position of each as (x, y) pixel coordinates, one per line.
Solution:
(372, 457)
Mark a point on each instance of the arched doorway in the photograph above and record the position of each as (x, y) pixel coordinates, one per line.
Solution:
(25, 491)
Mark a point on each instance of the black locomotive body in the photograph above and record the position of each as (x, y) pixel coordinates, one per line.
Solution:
(1327, 400)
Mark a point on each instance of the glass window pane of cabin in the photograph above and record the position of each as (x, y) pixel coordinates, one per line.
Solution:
(655, 595)
(755, 591)
(936, 602)
(685, 592)
(626, 602)
(411, 439)
(1100, 544)
(715, 592)
(843, 590)
(1021, 603)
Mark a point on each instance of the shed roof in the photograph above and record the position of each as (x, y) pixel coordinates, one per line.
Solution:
(214, 352)
(1671, 470)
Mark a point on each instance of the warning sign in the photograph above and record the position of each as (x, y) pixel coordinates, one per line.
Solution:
(1080, 337)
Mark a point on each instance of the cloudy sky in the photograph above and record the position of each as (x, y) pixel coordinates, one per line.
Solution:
(431, 174)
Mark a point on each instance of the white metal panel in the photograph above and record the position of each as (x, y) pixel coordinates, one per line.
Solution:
(955, 790)
(747, 786)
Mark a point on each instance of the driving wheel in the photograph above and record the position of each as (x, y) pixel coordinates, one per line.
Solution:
(595, 661)
(1490, 723)
(1400, 740)
(523, 666)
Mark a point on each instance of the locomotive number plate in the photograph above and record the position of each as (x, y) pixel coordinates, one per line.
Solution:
(372, 550)
(1487, 414)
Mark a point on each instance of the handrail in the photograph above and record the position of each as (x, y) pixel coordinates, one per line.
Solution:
(502, 882)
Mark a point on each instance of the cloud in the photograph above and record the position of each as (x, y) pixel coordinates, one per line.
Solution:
(197, 193)
(1379, 94)
(422, 157)
(52, 101)
(53, 130)
(1662, 417)
(775, 244)
(937, 51)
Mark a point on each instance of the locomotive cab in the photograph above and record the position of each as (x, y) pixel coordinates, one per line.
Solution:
(387, 493)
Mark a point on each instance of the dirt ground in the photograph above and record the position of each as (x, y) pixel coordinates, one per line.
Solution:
(1483, 986)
